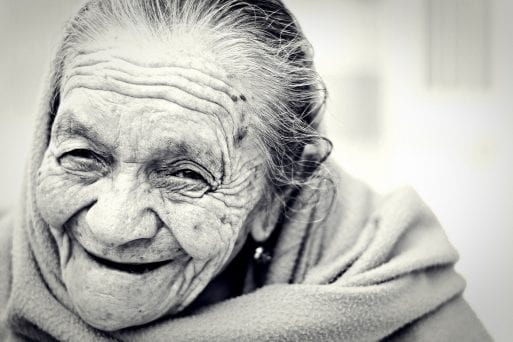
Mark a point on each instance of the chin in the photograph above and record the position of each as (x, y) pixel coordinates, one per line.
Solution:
(111, 298)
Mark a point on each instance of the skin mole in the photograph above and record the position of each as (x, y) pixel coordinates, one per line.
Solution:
(241, 134)
(226, 219)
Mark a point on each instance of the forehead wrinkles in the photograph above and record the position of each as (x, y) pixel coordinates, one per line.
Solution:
(189, 82)
(191, 68)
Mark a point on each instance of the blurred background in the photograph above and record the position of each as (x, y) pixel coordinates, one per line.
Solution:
(420, 93)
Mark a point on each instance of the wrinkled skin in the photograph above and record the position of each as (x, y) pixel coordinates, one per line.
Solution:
(147, 183)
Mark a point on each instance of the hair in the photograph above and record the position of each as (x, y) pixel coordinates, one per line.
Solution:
(259, 39)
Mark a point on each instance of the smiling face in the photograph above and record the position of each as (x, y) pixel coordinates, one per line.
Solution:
(147, 183)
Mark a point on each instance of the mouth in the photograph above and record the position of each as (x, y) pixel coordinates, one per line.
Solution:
(129, 267)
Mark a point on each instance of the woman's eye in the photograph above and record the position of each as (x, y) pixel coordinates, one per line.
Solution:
(189, 174)
(189, 180)
(81, 153)
(82, 160)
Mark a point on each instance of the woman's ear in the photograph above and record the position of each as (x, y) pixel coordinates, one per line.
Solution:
(313, 155)
(265, 220)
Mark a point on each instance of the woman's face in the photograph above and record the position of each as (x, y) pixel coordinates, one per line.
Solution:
(148, 181)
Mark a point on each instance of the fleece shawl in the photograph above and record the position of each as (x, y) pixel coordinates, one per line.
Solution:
(359, 267)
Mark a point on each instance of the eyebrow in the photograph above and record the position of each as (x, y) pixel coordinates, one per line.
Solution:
(70, 127)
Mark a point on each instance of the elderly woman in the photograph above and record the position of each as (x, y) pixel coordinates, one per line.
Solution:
(179, 190)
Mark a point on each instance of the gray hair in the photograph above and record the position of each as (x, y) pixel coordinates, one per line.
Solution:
(259, 39)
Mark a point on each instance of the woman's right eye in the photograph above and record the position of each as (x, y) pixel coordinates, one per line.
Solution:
(82, 160)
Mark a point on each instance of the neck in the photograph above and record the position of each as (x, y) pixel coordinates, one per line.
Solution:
(229, 283)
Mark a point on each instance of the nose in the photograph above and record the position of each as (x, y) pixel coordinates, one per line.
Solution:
(122, 214)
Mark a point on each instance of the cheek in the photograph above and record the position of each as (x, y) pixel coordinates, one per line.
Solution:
(59, 195)
(203, 232)
(209, 228)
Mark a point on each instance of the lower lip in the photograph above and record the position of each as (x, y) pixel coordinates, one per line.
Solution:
(127, 267)
(126, 270)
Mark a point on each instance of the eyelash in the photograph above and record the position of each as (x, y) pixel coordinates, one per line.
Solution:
(186, 170)
(81, 153)
(82, 160)
(189, 174)
(183, 177)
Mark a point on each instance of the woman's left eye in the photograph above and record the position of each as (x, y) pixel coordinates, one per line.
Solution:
(189, 174)
(185, 178)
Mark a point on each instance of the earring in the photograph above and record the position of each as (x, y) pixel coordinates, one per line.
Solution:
(261, 256)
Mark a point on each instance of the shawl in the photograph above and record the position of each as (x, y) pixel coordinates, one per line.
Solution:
(354, 267)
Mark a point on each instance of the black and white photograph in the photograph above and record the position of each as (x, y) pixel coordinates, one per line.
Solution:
(256, 170)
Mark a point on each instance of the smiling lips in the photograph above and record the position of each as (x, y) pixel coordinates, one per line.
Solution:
(128, 267)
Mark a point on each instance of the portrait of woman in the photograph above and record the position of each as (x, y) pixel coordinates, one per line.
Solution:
(180, 188)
